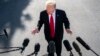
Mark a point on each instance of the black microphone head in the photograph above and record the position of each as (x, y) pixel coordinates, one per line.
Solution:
(37, 47)
(25, 43)
(67, 45)
(51, 47)
(75, 45)
(83, 43)
(5, 32)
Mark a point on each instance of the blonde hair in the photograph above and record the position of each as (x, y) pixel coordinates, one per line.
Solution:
(50, 2)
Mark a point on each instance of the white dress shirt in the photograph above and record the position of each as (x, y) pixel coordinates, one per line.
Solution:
(54, 18)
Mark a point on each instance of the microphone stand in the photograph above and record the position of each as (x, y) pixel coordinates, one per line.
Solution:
(94, 52)
(5, 33)
(71, 53)
(34, 53)
(18, 48)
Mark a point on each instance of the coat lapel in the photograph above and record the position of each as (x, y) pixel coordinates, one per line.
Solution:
(47, 18)
(56, 19)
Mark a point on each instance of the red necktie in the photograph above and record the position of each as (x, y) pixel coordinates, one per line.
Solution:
(52, 32)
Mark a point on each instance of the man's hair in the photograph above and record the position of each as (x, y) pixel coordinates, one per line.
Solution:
(50, 2)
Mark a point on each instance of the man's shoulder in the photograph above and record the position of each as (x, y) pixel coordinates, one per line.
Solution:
(59, 10)
(43, 11)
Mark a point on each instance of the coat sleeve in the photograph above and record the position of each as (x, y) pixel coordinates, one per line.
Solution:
(66, 21)
(40, 22)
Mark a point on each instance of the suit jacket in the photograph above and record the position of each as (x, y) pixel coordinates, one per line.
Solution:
(61, 19)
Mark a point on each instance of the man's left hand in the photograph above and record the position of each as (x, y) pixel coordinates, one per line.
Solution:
(69, 31)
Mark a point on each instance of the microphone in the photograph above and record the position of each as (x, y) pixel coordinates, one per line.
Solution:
(5, 32)
(36, 50)
(75, 45)
(82, 42)
(25, 44)
(51, 47)
(68, 46)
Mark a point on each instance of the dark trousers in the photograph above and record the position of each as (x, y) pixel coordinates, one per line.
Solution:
(58, 45)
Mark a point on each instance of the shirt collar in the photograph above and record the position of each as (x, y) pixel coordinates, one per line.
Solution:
(53, 13)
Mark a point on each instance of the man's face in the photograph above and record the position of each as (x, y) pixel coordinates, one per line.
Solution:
(50, 8)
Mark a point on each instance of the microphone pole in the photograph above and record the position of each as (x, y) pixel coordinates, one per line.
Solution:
(17, 49)
(6, 34)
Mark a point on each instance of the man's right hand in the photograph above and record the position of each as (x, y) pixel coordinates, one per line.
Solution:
(35, 31)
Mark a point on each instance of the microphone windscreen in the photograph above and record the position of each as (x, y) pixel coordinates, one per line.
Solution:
(25, 43)
(5, 32)
(75, 45)
(51, 47)
(37, 47)
(67, 45)
(83, 43)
